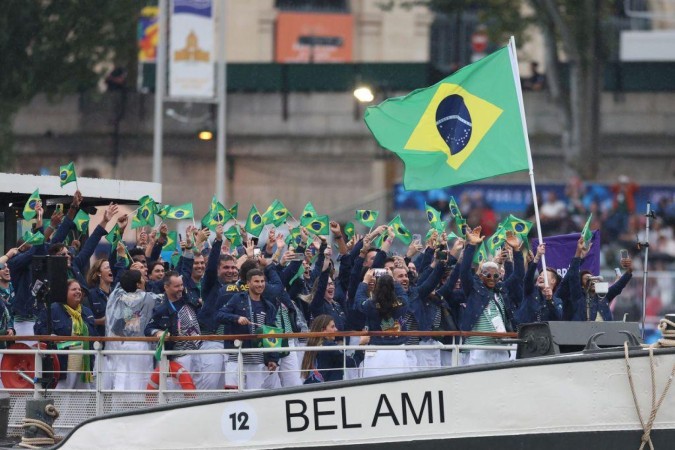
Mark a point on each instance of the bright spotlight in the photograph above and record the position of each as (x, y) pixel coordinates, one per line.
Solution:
(205, 135)
(364, 94)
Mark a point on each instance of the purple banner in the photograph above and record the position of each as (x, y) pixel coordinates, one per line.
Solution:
(561, 249)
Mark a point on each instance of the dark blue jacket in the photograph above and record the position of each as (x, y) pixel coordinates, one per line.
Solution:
(330, 363)
(238, 306)
(598, 304)
(374, 320)
(535, 307)
(420, 305)
(165, 317)
(219, 298)
(319, 305)
(24, 304)
(570, 282)
(62, 325)
(98, 300)
(479, 296)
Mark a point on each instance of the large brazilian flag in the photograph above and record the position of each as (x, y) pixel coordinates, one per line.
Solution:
(464, 128)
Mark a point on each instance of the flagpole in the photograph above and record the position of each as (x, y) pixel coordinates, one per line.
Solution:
(516, 80)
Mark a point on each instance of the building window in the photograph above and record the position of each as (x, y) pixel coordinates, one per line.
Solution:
(326, 6)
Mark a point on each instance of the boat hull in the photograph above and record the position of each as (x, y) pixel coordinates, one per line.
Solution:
(565, 401)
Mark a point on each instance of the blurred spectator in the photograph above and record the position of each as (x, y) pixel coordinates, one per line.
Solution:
(576, 212)
(623, 205)
(117, 79)
(536, 81)
(552, 214)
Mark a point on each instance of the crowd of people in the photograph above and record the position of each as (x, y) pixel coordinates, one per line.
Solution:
(217, 288)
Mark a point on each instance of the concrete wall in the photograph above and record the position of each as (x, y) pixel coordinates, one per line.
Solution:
(320, 153)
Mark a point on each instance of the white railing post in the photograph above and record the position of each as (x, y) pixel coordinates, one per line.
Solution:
(99, 377)
(240, 366)
(163, 373)
(38, 374)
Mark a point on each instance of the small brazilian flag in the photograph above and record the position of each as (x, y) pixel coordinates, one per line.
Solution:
(481, 254)
(495, 241)
(349, 230)
(136, 222)
(366, 217)
(175, 257)
(586, 232)
(179, 212)
(171, 241)
(429, 233)
(145, 199)
(29, 209)
(114, 236)
(233, 235)
(378, 241)
(401, 231)
(163, 211)
(160, 346)
(216, 215)
(433, 216)
(234, 210)
(36, 238)
(460, 222)
(309, 211)
(81, 221)
(466, 127)
(519, 226)
(254, 222)
(145, 215)
(275, 214)
(67, 174)
(318, 225)
(294, 237)
(454, 208)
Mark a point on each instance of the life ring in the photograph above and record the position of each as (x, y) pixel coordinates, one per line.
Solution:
(13, 364)
(180, 373)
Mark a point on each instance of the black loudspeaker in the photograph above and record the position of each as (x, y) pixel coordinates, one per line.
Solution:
(53, 270)
(551, 338)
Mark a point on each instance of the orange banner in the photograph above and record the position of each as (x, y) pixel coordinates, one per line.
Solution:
(320, 38)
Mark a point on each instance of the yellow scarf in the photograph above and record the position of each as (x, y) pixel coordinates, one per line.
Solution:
(80, 329)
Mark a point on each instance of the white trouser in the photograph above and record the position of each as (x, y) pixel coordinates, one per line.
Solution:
(73, 381)
(353, 373)
(289, 369)
(300, 355)
(428, 358)
(211, 367)
(446, 358)
(127, 372)
(25, 329)
(258, 377)
(385, 362)
(486, 357)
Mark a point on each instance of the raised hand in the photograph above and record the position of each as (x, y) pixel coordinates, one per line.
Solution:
(473, 237)
(334, 228)
(513, 240)
(109, 213)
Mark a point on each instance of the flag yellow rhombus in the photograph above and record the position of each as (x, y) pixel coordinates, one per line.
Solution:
(426, 137)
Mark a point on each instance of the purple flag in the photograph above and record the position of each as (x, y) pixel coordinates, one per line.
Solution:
(560, 251)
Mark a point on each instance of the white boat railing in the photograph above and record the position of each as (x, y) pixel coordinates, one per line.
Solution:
(77, 405)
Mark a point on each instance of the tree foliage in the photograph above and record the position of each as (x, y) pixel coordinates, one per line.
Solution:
(58, 47)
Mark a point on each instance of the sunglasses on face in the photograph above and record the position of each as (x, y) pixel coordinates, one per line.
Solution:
(491, 275)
